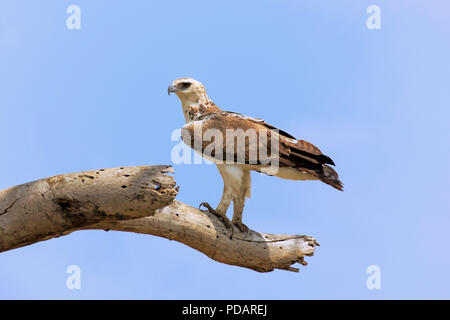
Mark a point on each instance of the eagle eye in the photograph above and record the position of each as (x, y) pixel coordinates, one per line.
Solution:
(185, 85)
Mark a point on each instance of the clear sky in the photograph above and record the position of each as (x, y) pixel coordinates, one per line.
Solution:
(375, 101)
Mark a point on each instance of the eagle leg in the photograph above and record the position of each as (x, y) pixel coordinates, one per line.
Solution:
(222, 218)
(238, 206)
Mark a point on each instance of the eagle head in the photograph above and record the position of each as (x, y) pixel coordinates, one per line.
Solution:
(187, 89)
(193, 97)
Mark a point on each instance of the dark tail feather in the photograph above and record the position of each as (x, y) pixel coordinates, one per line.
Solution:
(329, 176)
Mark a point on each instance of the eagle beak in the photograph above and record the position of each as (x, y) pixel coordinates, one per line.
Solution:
(171, 89)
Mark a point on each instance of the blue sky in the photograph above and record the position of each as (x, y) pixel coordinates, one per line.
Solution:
(376, 101)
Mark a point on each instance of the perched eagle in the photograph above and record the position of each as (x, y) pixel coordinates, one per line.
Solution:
(239, 144)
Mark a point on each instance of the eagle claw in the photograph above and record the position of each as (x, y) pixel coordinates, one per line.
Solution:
(224, 219)
(241, 226)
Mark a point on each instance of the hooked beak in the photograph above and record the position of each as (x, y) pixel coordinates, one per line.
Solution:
(171, 89)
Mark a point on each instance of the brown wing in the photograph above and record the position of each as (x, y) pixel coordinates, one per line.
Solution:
(253, 140)
(224, 137)
(303, 155)
(300, 147)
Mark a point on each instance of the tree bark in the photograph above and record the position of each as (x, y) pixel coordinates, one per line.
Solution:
(141, 200)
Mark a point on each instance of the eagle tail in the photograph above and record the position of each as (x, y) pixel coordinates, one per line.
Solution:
(330, 176)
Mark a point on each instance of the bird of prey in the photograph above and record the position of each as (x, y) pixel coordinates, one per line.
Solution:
(236, 153)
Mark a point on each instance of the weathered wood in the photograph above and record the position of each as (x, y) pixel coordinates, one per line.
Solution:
(141, 200)
(46, 208)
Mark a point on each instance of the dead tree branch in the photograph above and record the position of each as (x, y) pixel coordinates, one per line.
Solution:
(141, 200)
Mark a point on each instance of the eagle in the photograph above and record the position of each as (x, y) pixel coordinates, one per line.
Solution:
(239, 144)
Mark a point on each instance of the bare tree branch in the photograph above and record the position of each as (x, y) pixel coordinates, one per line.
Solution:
(141, 200)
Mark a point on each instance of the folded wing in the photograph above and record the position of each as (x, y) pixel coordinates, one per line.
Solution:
(235, 138)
